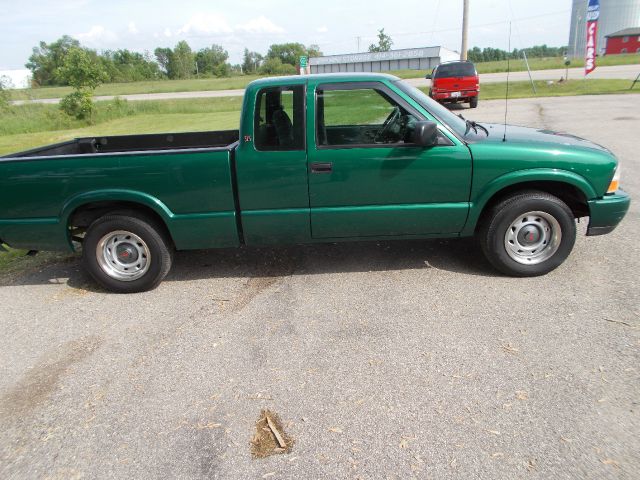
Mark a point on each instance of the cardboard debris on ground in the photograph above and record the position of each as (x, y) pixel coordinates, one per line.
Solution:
(270, 437)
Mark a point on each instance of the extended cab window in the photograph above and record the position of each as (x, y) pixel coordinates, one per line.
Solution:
(279, 118)
(361, 116)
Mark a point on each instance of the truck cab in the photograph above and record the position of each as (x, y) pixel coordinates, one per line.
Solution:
(350, 167)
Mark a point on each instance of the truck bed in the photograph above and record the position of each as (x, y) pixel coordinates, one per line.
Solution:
(133, 143)
(186, 179)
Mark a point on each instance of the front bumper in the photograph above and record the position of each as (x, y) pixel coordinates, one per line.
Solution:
(606, 213)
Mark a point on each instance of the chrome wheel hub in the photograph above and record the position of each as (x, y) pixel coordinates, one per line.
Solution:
(123, 255)
(533, 238)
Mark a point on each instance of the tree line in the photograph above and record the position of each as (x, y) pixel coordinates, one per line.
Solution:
(180, 62)
(488, 54)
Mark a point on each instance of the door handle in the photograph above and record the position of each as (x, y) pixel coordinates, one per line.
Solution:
(321, 167)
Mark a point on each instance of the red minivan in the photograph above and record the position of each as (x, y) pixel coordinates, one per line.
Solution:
(455, 82)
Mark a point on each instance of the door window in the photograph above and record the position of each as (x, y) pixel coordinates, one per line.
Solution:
(361, 116)
(279, 118)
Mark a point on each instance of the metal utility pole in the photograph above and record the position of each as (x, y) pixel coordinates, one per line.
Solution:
(465, 29)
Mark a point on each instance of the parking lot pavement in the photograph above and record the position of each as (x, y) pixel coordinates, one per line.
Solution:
(408, 359)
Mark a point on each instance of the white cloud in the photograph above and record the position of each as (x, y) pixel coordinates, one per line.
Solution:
(132, 28)
(97, 34)
(260, 25)
(322, 29)
(167, 32)
(206, 24)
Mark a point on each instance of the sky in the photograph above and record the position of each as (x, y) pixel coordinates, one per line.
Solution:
(334, 25)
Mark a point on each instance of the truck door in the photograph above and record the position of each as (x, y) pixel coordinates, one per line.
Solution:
(271, 165)
(367, 178)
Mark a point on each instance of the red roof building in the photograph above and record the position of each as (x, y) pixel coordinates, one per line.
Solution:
(623, 41)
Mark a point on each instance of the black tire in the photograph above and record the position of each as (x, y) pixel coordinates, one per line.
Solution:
(546, 211)
(473, 102)
(154, 241)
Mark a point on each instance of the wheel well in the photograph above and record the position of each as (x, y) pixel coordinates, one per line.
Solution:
(569, 194)
(85, 215)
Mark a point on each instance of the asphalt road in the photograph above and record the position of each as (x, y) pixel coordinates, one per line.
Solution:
(625, 72)
(408, 359)
(628, 72)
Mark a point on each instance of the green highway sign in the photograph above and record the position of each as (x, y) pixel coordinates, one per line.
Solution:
(303, 62)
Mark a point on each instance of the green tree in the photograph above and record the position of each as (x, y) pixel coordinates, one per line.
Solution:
(80, 71)
(475, 55)
(84, 74)
(127, 66)
(182, 64)
(177, 63)
(287, 52)
(213, 61)
(384, 42)
(290, 53)
(274, 66)
(46, 59)
(4, 94)
(251, 61)
(163, 58)
(313, 50)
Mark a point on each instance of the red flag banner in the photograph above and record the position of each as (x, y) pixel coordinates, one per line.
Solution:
(590, 56)
(593, 12)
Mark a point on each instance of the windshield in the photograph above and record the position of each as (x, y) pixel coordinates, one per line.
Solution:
(453, 121)
(461, 69)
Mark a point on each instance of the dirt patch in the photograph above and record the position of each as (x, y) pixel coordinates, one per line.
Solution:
(270, 437)
(42, 380)
(15, 264)
(252, 289)
(70, 292)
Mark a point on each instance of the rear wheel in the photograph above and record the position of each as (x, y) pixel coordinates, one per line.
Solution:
(473, 102)
(528, 234)
(127, 254)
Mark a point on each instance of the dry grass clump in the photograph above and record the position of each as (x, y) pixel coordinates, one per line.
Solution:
(270, 437)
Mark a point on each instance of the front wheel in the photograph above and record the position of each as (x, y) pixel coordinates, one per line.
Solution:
(126, 254)
(528, 234)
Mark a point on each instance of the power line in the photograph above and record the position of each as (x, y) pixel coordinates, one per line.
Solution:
(453, 29)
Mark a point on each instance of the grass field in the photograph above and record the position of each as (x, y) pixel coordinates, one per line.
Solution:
(155, 86)
(554, 62)
(28, 126)
(548, 63)
(554, 89)
(232, 83)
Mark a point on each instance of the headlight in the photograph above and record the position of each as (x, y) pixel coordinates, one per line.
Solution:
(615, 182)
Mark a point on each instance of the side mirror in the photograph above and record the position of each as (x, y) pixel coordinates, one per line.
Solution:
(428, 76)
(425, 133)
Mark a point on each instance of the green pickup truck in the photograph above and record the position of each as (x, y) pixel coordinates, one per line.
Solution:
(320, 158)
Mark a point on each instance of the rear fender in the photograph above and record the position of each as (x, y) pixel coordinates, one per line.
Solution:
(114, 195)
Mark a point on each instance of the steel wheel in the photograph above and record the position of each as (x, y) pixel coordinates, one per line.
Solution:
(123, 255)
(533, 238)
(528, 234)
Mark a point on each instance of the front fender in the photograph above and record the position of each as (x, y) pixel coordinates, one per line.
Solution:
(510, 179)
